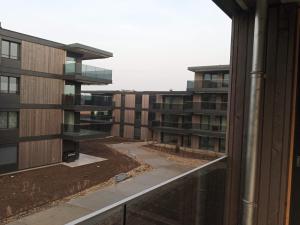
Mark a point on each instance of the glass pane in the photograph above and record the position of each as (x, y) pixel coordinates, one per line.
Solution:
(13, 120)
(3, 84)
(207, 76)
(8, 155)
(14, 53)
(13, 87)
(5, 49)
(69, 89)
(3, 120)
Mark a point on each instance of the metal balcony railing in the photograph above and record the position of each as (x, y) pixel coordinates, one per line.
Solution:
(88, 71)
(97, 118)
(196, 197)
(191, 106)
(85, 129)
(190, 126)
(88, 100)
(215, 83)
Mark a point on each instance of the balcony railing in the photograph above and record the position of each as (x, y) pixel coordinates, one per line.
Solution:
(191, 106)
(88, 71)
(215, 83)
(74, 131)
(196, 197)
(190, 126)
(88, 100)
(97, 118)
(190, 85)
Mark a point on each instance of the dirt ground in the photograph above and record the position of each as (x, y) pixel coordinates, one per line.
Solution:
(184, 154)
(22, 192)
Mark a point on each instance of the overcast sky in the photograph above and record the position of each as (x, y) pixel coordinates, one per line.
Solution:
(153, 41)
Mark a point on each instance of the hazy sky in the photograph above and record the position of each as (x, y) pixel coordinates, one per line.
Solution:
(153, 41)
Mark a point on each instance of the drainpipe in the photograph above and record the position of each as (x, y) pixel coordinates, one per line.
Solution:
(257, 76)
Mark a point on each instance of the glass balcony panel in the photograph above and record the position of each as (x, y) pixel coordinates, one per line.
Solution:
(88, 71)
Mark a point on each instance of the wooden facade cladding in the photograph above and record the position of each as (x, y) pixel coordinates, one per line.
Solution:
(129, 100)
(128, 131)
(117, 100)
(145, 102)
(115, 130)
(129, 116)
(41, 58)
(116, 113)
(39, 153)
(145, 134)
(38, 122)
(144, 118)
(198, 81)
(277, 108)
(39, 90)
(195, 142)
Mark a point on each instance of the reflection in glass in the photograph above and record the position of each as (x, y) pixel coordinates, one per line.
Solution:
(3, 84)
(12, 120)
(3, 120)
(5, 49)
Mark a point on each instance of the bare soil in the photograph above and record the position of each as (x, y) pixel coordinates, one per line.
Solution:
(184, 154)
(22, 192)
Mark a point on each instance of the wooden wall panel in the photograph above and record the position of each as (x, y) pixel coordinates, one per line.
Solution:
(115, 130)
(145, 134)
(196, 98)
(40, 58)
(129, 116)
(129, 100)
(144, 118)
(275, 125)
(198, 80)
(128, 131)
(37, 122)
(195, 142)
(195, 119)
(145, 102)
(116, 113)
(117, 100)
(159, 99)
(40, 90)
(39, 153)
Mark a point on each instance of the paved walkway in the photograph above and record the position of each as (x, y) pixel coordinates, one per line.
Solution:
(163, 170)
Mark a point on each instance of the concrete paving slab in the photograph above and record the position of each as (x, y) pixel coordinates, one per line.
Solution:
(84, 160)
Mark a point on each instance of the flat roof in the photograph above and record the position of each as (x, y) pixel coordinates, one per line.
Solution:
(213, 68)
(86, 52)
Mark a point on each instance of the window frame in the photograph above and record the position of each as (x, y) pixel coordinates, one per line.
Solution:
(9, 81)
(9, 56)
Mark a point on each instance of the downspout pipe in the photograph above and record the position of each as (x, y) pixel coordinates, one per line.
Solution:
(253, 128)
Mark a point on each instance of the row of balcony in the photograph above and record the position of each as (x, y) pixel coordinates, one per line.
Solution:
(189, 126)
(76, 132)
(221, 85)
(196, 107)
(88, 73)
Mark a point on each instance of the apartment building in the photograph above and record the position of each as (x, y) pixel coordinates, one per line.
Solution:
(41, 101)
(195, 118)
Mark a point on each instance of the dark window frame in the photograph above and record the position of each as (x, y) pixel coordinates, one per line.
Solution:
(9, 85)
(7, 120)
(9, 56)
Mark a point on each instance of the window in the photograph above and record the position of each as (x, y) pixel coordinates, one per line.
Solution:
(8, 155)
(3, 84)
(8, 120)
(206, 143)
(225, 80)
(10, 49)
(9, 85)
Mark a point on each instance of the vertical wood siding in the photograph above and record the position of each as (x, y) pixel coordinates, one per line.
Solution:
(145, 134)
(115, 130)
(144, 119)
(38, 122)
(195, 142)
(130, 100)
(40, 58)
(129, 116)
(117, 100)
(40, 90)
(39, 153)
(128, 131)
(198, 81)
(145, 102)
(276, 123)
(117, 115)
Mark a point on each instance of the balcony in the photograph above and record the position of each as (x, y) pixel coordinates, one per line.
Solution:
(87, 74)
(203, 107)
(87, 102)
(214, 86)
(195, 197)
(97, 119)
(215, 130)
(77, 132)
